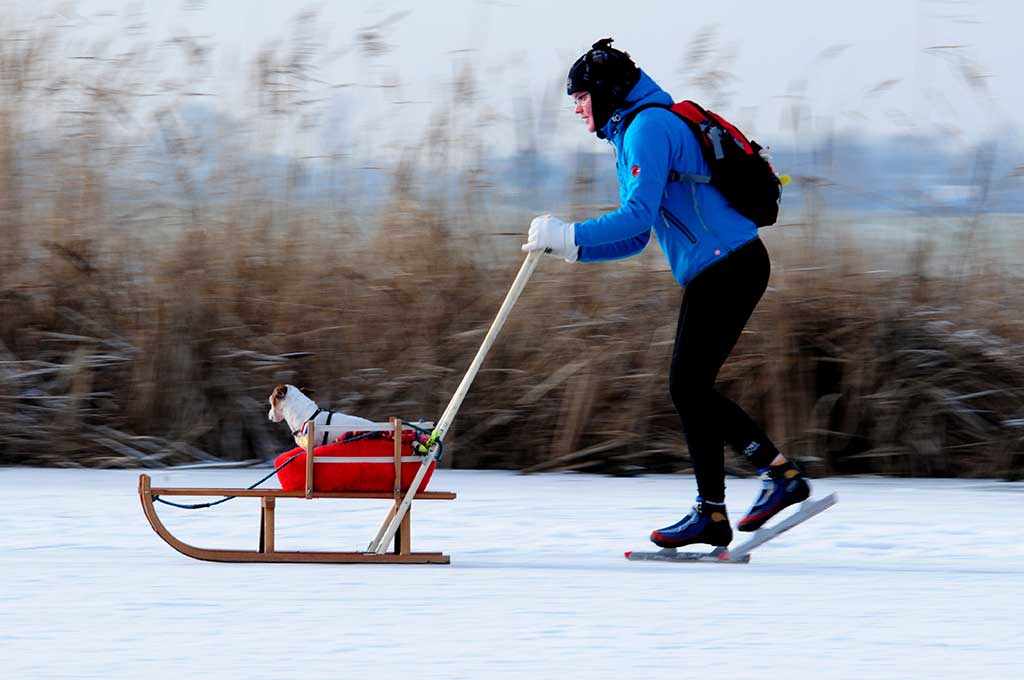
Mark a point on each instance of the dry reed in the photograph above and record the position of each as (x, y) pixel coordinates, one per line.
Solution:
(144, 319)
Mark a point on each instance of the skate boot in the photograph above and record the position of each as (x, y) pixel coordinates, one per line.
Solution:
(706, 523)
(782, 486)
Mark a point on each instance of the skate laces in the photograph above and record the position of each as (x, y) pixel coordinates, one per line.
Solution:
(768, 474)
(695, 512)
(768, 486)
(703, 508)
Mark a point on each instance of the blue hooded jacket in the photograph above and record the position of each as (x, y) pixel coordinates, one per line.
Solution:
(694, 223)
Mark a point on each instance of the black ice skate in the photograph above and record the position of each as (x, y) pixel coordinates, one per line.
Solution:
(782, 486)
(706, 523)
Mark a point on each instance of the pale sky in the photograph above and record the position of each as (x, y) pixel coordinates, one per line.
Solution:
(864, 65)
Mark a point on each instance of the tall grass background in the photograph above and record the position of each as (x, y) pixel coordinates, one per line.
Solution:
(156, 283)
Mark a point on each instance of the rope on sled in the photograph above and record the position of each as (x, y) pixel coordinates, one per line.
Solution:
(353, 438)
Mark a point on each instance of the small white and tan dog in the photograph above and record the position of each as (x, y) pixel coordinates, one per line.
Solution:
(288, 403)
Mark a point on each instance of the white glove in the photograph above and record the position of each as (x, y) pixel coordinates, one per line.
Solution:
(554, 237)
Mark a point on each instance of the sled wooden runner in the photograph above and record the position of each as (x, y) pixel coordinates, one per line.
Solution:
(266, 550)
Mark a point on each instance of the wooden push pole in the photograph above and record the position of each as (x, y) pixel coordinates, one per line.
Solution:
(310, 435)
(390, 526)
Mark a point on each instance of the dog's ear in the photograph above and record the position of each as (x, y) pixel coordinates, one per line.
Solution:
(307, 391)
(280, 391)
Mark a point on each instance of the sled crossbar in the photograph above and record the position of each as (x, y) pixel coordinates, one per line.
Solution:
(279, 493)
(266, 551)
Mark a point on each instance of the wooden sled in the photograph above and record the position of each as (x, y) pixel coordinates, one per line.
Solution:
(266, 551)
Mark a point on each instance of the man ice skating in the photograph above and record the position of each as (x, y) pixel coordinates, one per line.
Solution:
(714, 252)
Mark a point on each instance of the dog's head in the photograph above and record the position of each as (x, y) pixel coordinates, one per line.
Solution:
(277, 398)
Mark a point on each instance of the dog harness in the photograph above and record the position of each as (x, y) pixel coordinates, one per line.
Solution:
(318, 411)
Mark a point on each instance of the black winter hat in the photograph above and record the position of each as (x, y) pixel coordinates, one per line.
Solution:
(608, 75)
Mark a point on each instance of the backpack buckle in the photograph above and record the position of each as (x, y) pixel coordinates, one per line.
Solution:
(715, 135)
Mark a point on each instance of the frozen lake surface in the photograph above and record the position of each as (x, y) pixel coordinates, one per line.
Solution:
(903, 578)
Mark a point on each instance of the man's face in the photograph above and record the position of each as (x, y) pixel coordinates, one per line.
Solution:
(584, 108)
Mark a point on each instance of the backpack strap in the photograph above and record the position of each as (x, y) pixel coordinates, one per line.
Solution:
(632, 114)
(713, 126)
(674, 175)
(702, 125)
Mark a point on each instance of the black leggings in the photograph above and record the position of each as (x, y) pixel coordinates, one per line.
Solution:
(716, 307)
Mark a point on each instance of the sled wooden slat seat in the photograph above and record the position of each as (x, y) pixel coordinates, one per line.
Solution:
(267, 551)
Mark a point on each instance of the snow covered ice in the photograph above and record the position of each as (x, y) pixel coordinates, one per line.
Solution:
(902, 579)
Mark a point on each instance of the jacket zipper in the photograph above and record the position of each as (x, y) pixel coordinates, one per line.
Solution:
(673, 221)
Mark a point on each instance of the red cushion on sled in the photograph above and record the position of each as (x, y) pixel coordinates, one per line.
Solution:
(361, 476)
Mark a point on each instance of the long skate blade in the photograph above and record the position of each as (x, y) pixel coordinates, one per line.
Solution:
(807, 510)
(716, 556)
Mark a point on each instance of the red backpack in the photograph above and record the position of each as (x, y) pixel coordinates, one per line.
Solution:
(738, 170)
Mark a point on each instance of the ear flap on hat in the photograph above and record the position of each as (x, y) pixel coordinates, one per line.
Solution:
(608, 75)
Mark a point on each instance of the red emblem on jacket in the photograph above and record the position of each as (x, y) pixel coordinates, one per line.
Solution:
(636, 171)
